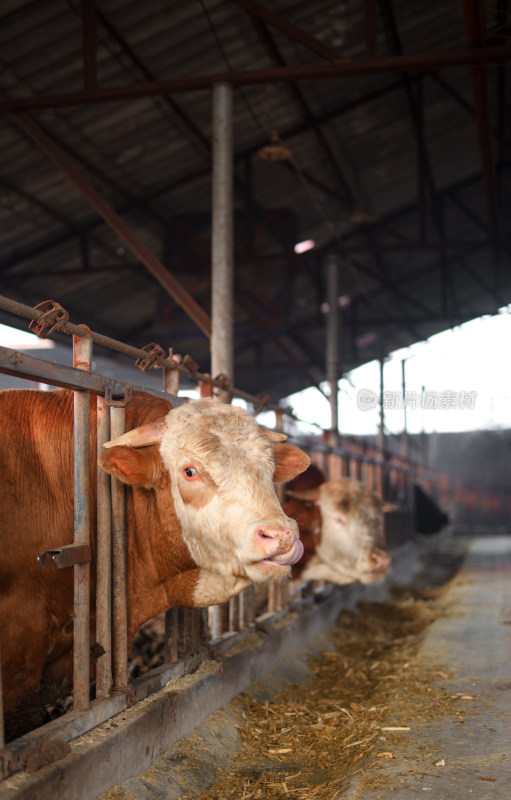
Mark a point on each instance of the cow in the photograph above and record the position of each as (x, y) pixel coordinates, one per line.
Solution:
(203, 520)
(340, 524)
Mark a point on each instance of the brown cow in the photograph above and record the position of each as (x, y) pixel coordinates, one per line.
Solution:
(203, 520)
(340, 525)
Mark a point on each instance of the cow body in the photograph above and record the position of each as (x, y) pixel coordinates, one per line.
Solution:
(340, 525)
(203, 521)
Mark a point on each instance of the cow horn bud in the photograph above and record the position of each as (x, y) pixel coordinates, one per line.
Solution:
(140, 437)
(273, 436)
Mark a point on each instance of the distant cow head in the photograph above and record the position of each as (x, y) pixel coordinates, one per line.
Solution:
(218, 465)
(349, 544)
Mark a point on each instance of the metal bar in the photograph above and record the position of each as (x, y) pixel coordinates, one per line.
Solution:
(23, 365)
(171, 636)
(271, 598)
(475, 28)
(12, 359)
(126, 234)
(419, 62)
(103, 560)
(233, 614)
(82, 359)
(404, 450)
(332, 340)
(215, 621)
(90, 80)
(371, 27)
(66, 556)
(222, 258)
(119, 567)
(290, 30)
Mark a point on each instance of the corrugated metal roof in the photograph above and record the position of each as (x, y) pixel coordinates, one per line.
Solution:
(355, 142)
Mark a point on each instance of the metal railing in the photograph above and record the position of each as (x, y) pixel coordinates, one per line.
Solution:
(191, 635)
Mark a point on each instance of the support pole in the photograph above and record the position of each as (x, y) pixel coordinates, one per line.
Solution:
(82, 359)
(405, 418)
(119, 567)
(332, 341)
(222, 258)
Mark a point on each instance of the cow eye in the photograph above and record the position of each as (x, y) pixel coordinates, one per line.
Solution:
(191, 473)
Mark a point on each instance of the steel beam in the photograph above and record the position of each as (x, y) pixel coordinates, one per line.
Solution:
(290, 30)
(417, 62)
(139, 249)
(333, 267)
(222, 246)
(90, 79)
(473, 11)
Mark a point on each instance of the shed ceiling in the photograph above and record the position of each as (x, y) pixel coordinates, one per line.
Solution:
(396, 114)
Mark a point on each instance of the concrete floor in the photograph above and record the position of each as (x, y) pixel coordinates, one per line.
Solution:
(467, 756)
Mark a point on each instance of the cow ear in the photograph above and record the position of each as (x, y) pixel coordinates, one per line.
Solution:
(129, 465)
(289, 462)
(310, 495)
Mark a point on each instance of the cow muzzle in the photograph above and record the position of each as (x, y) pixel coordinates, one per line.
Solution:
(278, 546)
(379, 564)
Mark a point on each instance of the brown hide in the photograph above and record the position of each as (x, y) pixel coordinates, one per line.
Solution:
(36, 504)
(307, 515)
(36, 501)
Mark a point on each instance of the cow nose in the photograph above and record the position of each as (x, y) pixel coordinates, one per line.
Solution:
(379, 560)
(275, 539)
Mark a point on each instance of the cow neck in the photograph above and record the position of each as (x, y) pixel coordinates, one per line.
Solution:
(156, 551)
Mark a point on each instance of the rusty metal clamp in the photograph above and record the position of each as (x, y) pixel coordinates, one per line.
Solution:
(118, 402)
(191, 365)
(154, 354)
(54, 317)
(261, 402)
(223, 382)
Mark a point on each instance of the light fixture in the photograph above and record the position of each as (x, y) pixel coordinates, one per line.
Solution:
(302, 247)
(275, 151)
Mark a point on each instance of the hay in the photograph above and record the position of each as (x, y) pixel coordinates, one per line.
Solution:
(368, 689)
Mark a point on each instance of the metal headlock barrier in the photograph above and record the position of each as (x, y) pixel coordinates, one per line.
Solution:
(191, 634)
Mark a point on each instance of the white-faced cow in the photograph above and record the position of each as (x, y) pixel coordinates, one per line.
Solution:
(203, 520)
(341, 528)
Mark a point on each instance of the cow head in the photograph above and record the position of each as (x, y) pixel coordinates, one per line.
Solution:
(350, 540)
(219, 467)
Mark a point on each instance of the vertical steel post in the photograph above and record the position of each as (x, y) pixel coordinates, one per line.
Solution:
(222, 258)
(119, 568)
(103, 560)
(404, 450)
(332, 341)
(82, 359)
(2, 737)
(171, 636)
(215, 621)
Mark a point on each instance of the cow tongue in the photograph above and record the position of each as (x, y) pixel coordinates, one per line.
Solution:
(291, 557)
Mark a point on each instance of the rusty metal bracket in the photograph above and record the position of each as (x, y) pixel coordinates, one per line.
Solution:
(223, 382)
(191, 365)
(154, 354)
(65, 556)
(119, 402)
(54, 317)
(206, 388)
(262, 402)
